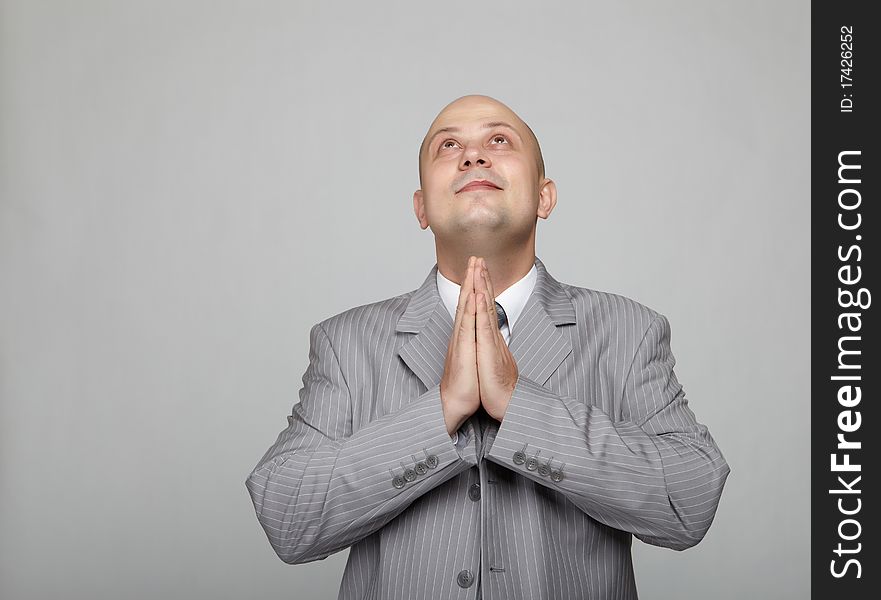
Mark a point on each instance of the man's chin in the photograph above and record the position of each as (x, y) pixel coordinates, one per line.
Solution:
(478, 224)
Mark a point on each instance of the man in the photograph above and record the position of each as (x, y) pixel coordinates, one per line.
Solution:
(494, 433)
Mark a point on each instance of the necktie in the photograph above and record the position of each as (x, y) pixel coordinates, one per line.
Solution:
(500, 315)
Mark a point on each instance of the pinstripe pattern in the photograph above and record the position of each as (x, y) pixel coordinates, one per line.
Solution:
(597, 396)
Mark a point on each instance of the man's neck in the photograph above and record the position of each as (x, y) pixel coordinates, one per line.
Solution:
(505, 270)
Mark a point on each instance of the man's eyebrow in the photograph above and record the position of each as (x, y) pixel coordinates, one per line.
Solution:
(490, 125)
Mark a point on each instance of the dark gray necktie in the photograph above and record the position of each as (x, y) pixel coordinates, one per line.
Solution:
(500, 315)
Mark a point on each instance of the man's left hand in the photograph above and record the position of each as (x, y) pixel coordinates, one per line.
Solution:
(496, 368)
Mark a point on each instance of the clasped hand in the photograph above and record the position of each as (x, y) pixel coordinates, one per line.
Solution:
(479, 368)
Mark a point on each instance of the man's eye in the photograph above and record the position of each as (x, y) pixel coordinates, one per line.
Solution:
(444, 145)
(500, 137)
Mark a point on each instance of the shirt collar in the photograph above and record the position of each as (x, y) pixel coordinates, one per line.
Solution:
(512, 299)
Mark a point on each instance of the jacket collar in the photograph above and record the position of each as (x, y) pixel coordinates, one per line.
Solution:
(537, 343)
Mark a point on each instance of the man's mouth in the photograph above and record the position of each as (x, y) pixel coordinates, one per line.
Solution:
(479, 185)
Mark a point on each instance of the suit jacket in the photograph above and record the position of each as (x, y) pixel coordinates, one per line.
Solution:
(598, 444)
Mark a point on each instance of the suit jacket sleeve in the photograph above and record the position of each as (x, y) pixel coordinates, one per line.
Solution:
(656, 472)
(322, 486)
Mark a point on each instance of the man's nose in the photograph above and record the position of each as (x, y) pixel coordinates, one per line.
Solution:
(472, 156)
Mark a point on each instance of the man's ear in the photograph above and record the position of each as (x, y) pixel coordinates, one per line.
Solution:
(419, 209)
(547, 198)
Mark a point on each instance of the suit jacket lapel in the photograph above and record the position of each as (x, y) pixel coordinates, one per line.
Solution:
(537, 343)
(427, 317)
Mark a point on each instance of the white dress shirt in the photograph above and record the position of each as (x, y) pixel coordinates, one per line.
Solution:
(512, 300)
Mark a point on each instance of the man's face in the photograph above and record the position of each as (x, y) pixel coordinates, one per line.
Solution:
(477, 139)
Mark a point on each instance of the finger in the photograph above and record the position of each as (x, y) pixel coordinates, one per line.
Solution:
(486, 344)
(491, 302)
(488, 304)
(463, 298)
(489, 282)
(479, 280)
(468, 319)
(468, 284)
(480, 317)
(493, 331)
(463, 291)
(485, 321)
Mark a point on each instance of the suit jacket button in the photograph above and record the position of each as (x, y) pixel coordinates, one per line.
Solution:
(465, 578)
(519, 457)
(431, 461)
(398, 482)
(557, 476)
(421, 468)
(532, 463)
(410, 475)
(544, 469)
(474, 492)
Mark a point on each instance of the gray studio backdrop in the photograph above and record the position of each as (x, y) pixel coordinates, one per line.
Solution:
(187, 187)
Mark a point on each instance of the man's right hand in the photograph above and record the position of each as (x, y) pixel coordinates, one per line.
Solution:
(459, 388)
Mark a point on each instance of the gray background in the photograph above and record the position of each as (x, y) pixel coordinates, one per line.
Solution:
(171, 174)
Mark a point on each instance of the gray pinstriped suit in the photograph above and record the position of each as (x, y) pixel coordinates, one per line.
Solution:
(618, 452)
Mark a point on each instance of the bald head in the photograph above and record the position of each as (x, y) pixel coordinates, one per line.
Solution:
(477, 104)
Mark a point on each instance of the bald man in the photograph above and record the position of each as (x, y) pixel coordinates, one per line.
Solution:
(494, 433)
